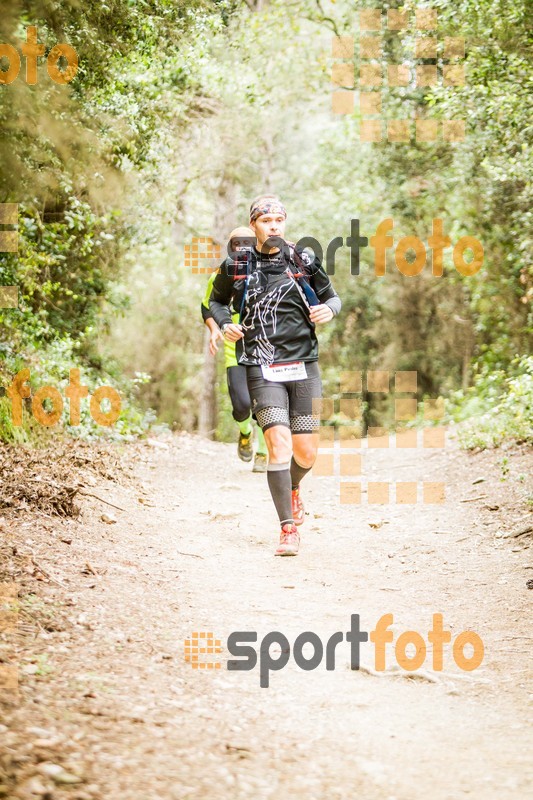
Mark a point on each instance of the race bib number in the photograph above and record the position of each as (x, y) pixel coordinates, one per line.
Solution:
(295, 371)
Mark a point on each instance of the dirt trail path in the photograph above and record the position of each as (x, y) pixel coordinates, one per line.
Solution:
(114, 703)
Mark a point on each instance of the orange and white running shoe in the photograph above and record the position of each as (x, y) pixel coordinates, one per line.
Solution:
(289, 541)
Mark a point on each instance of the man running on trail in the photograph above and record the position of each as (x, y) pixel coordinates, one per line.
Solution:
(241, 240)
(283, 295)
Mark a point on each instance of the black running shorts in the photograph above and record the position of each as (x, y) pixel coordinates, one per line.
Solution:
(288, 403)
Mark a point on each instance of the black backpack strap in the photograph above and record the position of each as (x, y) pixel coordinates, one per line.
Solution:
(249, 269)
(296, 259)
(302, 276)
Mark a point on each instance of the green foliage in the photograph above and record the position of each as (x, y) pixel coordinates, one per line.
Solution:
(63, 272)
(70, 157)
(498, 407)
(179, 114)
(50, 365)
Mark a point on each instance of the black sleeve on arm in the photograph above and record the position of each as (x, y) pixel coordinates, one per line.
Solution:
(322, 285)
(206, 314)
(220, 299)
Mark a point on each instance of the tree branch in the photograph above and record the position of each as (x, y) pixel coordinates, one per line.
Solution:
(329, 20)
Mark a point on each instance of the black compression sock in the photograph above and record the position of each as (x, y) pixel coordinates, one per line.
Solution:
(279, 483)
(297, 473)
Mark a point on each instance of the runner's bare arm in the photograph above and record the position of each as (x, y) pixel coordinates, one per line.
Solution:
(216, 335)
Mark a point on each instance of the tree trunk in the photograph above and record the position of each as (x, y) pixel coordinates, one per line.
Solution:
(207, 417)
(255, 5)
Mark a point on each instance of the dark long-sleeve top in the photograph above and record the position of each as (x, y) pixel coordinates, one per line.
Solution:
(274, 310)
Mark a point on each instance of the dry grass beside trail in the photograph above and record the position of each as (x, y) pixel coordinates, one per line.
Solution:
(49, 479)
(179, 536)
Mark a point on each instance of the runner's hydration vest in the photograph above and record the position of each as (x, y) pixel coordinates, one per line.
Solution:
(241, 266)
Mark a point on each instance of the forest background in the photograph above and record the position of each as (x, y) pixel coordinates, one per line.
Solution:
(179, 114)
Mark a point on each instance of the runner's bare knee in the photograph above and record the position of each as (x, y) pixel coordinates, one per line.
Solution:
(278, 439)
(305, 447)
